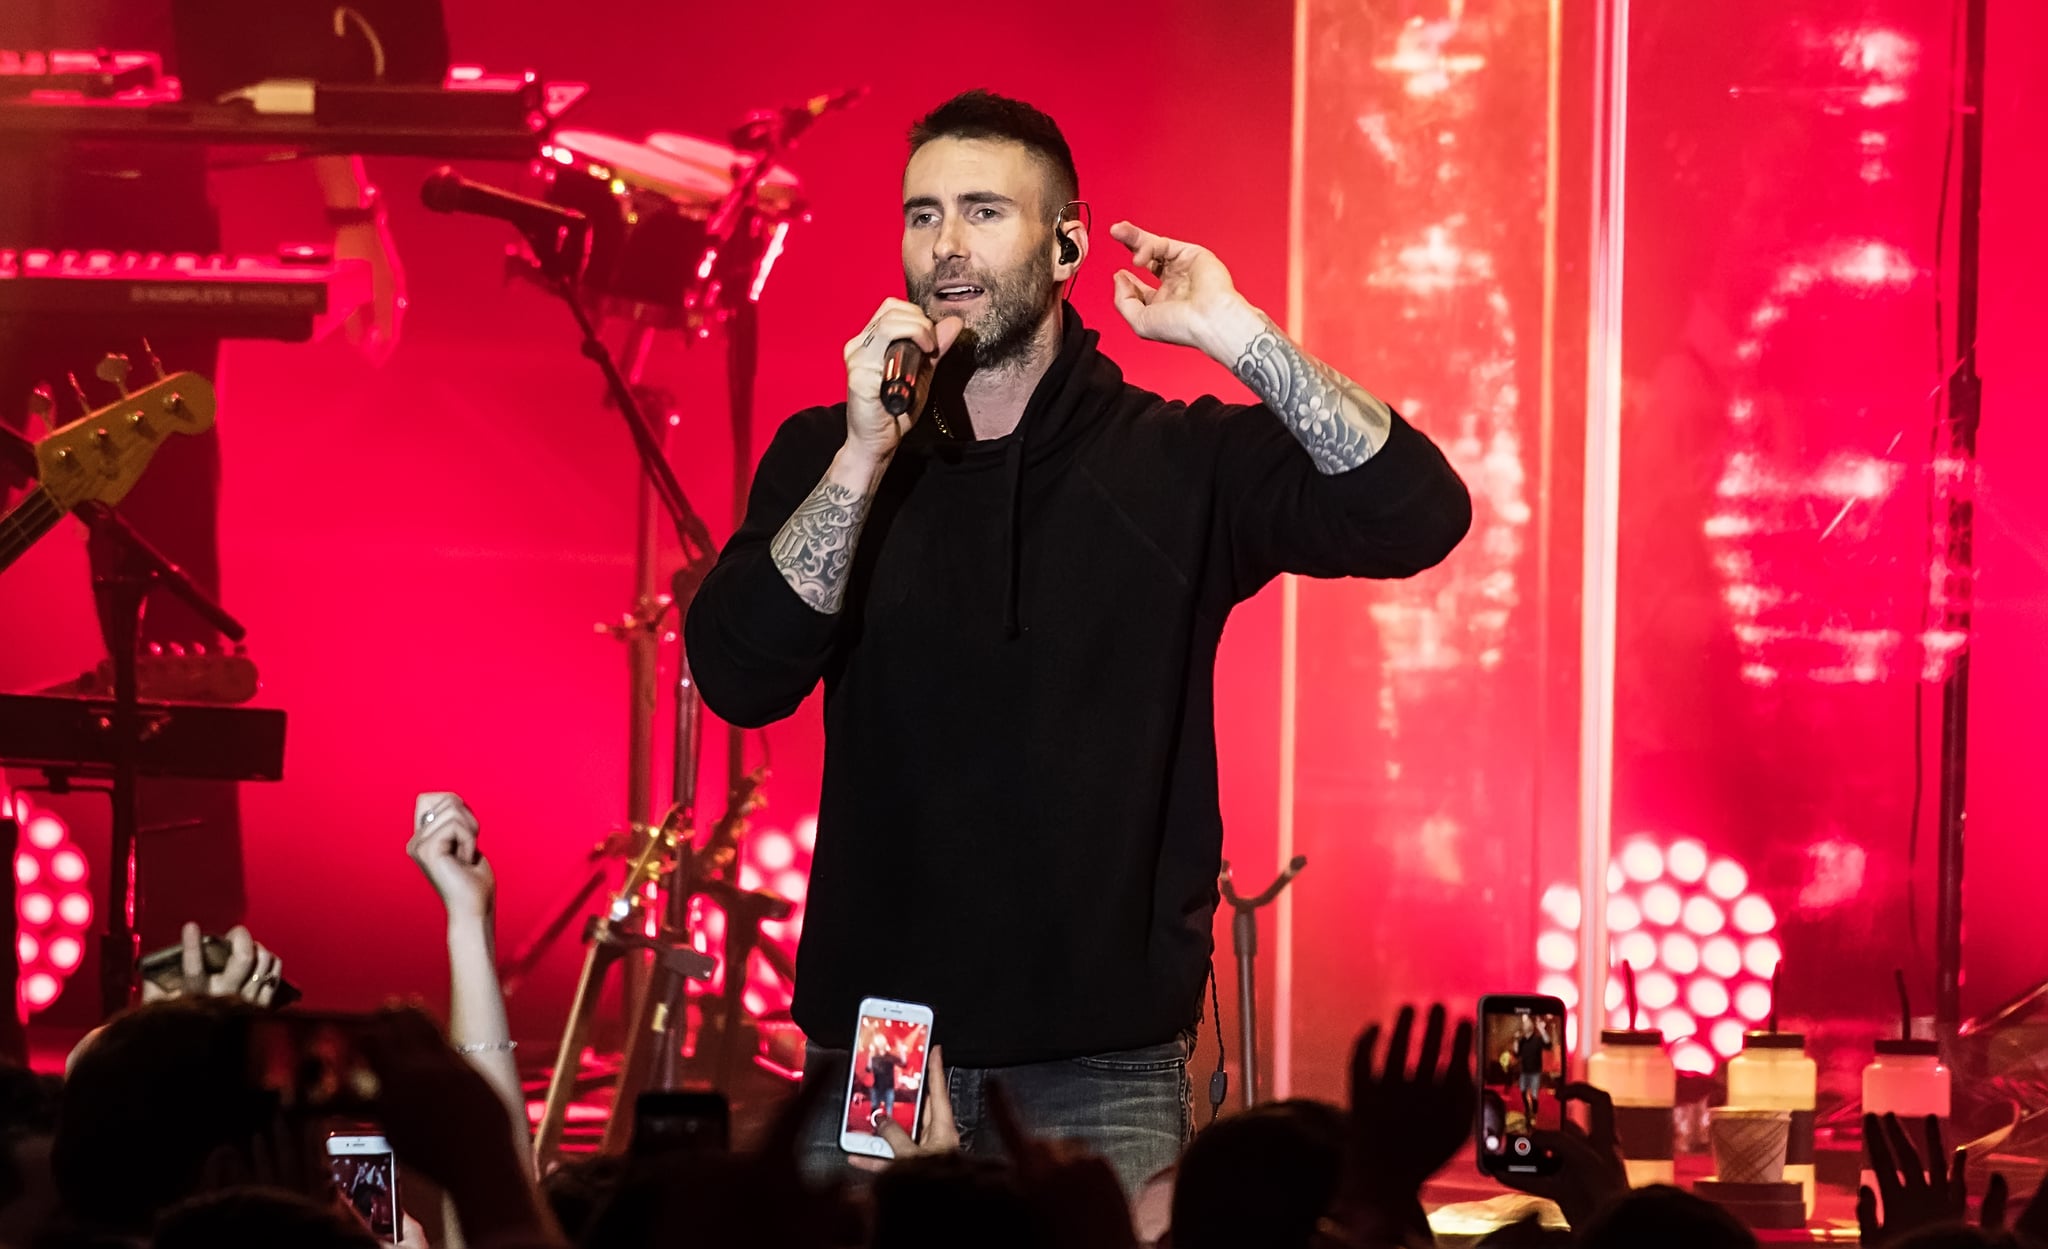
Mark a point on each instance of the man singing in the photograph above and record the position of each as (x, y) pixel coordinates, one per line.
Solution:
(1013, 594)
(1532, 1046)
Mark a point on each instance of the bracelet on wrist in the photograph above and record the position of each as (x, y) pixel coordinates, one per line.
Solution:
(487, 1047)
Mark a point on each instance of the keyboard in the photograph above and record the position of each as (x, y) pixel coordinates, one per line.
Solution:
(122, 97)
(287, 298)
(191, 741)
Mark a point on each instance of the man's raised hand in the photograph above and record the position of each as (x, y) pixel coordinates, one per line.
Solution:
(1194, 294)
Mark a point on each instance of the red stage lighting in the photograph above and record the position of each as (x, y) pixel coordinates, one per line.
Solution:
(1699, 941)
(51, 904)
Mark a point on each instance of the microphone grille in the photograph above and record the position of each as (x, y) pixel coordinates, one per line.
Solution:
(442, 191)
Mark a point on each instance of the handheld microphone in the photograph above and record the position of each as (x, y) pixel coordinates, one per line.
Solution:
(900, 367)
(446, 191)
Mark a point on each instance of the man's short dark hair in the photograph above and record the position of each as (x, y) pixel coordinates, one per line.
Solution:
(980, 114)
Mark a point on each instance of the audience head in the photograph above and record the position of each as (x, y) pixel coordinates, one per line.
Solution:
(258, 1218)
(1951, 1236)
(930, 1199)
(1263, 1177)
(146, 1107)
(1667, 1217)
(28, 1102)
(28, 1114)
(578, 1189)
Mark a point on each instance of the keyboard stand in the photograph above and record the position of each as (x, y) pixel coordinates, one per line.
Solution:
(123, 595)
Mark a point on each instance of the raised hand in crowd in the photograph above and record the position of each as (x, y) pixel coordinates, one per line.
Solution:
(252, 972)
(1404, 1126)
(446, 845)
(1592, 1173)
(2030, 1231)
(1919, 1196)
(1915, 1195)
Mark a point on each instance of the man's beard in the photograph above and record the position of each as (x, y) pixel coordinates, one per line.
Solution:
(1016, 302)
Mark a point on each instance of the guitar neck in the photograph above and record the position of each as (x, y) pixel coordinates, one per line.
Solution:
(25, 523)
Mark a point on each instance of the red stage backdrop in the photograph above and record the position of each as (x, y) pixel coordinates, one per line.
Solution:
(421, 552)
(1780, 608)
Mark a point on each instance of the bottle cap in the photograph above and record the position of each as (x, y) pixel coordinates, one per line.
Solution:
(1774, 1040)
(1893, 1045)
(1631, 1036)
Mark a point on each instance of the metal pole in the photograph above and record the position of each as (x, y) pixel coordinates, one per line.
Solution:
(1244, 938)
(643, 646)
(1965, 408)
(1602, 516)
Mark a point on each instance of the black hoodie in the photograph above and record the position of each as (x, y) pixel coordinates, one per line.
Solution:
(1019, 824)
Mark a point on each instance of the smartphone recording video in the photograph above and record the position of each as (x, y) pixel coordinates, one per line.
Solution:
(1521, 1080)
(891, 1045)
(366, 1172)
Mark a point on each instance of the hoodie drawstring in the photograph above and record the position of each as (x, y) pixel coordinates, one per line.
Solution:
(1013, 538)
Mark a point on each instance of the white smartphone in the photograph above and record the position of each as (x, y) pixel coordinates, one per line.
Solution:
(891, 1045)
(366, 1172)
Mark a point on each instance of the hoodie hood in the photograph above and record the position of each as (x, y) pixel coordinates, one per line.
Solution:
(1077, 388)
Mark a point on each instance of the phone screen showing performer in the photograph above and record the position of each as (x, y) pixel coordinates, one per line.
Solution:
(1521, 1080)
(366, 1172)
(891, 1045)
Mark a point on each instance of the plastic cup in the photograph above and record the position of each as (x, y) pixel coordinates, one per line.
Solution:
(1749, 1143)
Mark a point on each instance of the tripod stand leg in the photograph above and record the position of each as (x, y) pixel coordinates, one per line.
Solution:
(732, 1016)
(597, 960)
(650, 1048)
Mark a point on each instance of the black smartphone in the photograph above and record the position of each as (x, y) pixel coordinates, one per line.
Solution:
(680, 1123)
(1521, 1083)
(165, 969)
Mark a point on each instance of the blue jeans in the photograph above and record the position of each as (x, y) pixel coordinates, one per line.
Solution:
(1135, 1108)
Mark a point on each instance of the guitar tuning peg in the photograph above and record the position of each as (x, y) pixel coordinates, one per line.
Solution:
(156, 365)
(84, 404)
(115, 369)
(43, 406)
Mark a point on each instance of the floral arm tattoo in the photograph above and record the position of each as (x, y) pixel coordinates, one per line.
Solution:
(1339, 423)
(814, 548)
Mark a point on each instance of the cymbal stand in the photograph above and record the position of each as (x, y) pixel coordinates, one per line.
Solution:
(1244, 942)
(621, 929)
(654, 1045)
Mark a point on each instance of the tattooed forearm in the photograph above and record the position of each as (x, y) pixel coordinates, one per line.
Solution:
(814, 548)
(1332, 416)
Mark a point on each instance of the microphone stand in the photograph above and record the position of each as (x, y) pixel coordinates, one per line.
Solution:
(560, 254)
(656, 1016)
(1244, 942)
